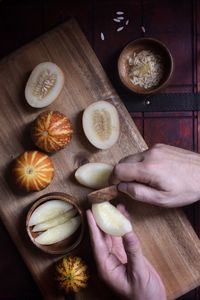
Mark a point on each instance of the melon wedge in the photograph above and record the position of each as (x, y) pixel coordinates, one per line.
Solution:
(94, 175)
(49, 210)
(59, 233)
(110, 219)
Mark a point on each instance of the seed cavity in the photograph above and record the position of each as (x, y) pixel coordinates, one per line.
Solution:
(44, 84)
(102, 123)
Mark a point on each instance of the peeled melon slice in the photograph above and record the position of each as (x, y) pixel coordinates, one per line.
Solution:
(110, 219)
(60, 219)
(94, 175)
(101, 124)
(44, 85)
(49, 210)
(59, 233)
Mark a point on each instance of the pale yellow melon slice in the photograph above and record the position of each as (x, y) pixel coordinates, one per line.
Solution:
(60, 219)
(110, 219)
(94, 175)
(59, 233)
(49, 210)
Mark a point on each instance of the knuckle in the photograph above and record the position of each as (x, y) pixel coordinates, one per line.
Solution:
(148, 167)
(116, 170)
(156, 151)
(162, 200)
(158, 146)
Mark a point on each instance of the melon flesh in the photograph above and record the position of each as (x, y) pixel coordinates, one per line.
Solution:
(59, 233)
(44, 85)
(94, 175)
(60, 219)
(110, 219)
(101, 124)
(49, 210)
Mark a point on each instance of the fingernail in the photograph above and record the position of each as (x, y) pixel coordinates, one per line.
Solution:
(113, 180)
(122, 187)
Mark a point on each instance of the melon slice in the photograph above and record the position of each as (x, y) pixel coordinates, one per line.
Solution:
(101, 124)
(44, 85)
(60, 219)
(59, 233)
(94, 175)
(110, 219)
(49, 210)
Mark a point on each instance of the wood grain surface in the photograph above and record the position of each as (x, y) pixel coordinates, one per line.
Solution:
(167, 238)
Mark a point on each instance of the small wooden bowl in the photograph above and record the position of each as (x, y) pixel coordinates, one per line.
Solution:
(69, 243)
(136, 46)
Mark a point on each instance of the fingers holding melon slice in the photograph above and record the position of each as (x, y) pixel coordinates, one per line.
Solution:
(44, 84)
(101, 124)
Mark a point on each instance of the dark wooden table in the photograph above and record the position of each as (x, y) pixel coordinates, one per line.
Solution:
(176, 23)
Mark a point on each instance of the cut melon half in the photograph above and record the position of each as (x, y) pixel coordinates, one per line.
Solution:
(44, 85)
(101, 124)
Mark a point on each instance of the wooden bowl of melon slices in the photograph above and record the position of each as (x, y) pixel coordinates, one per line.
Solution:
(55, 223)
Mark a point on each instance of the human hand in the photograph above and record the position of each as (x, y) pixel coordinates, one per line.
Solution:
(122, 265)
(163, 175)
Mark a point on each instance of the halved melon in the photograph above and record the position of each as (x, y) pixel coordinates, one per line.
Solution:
(101, 124)
(44, 84)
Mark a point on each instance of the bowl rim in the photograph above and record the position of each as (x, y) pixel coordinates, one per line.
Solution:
(159, 43)
(59, 196)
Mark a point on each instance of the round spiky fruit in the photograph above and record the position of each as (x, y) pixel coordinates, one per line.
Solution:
(72, 274)
(33, 171)
(51, 131)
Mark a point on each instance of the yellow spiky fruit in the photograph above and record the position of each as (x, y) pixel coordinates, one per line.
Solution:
(72, 274)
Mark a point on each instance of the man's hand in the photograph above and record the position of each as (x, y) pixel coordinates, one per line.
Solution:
(163, 175)
(122, 265)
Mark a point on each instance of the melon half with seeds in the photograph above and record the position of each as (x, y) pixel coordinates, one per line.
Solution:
(51, 131)
(44, 85)
(33, 171)
(101, 124)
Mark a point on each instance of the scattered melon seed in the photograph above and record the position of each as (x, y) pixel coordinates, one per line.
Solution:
(127, 21)
(102, 36)
(116, 20)
(143, 29)
(120, 28)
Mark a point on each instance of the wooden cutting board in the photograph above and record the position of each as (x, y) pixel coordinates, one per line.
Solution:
(167, 238)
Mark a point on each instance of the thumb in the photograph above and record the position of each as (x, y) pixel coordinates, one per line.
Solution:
(135, 258)
(142, 193)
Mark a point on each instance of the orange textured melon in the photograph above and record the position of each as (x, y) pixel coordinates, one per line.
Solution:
(51, 131)
(33, 171)
(72, 274)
